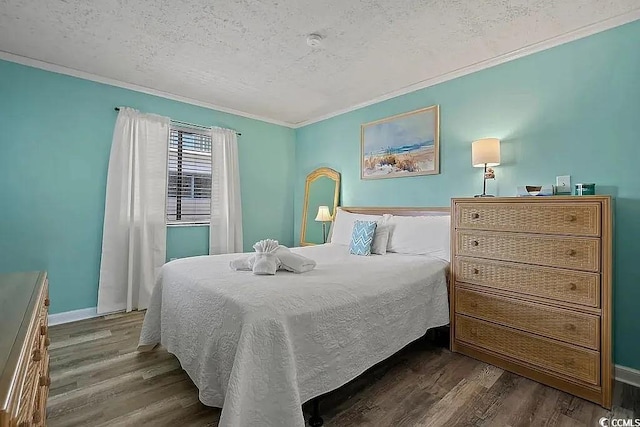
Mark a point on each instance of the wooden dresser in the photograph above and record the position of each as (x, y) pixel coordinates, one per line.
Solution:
(24, 357)
(531, 289)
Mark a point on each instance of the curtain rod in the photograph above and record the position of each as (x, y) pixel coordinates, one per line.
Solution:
(185, 123)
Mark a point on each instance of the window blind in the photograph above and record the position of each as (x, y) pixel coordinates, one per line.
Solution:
(189, 176)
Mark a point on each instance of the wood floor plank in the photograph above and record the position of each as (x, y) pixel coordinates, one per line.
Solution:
(459, 396)
(514, 407)
(98, 379)
(74, 340)
(542, 413)
(630, 398)
(103, 364)
(484, 405)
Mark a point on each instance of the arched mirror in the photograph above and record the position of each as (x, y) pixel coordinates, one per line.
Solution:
(321, 194)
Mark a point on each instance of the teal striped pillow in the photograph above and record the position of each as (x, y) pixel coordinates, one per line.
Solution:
(362, 237)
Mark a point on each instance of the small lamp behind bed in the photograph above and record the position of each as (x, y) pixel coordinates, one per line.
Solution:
(324, 216)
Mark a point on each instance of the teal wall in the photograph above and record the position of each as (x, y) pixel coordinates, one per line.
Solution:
(55, 137)
(574, 109)
(185, 241)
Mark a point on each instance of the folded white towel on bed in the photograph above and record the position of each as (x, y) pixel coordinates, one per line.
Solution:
(285, 260)
(266, 262)
(293, 262)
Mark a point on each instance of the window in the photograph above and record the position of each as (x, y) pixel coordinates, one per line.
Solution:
(189, 182)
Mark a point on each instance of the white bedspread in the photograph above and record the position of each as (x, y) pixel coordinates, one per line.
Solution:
(260, 346)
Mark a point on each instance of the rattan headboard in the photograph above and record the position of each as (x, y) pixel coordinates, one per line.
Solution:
(413, 211)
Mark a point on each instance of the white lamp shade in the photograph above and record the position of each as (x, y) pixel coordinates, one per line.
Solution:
(485, 151)
(323, 214)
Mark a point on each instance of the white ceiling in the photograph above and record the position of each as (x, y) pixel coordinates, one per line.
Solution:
(251, 55)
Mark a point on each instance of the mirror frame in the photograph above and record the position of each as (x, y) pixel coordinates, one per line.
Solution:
(318, 173)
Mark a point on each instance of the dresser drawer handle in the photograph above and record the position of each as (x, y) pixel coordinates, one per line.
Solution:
(476, 271)
(569, 363)
(36, 416)
(473, 304)
(43, 330)
(570, 327)
(44, 381)
(571, 252)
(571, 217)
(47, 302)
(36, 356)
(573, 286)
(474, 243)
(475, 215)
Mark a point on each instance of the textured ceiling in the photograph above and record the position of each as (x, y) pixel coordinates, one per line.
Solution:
(251, 55)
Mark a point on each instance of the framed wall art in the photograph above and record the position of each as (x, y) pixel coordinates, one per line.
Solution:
(407, 144)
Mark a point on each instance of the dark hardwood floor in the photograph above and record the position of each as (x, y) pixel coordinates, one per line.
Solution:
(98, 379)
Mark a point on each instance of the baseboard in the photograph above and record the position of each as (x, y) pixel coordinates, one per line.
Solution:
(627, 375)
(73, 316)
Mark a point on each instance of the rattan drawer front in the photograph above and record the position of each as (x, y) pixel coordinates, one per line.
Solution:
(575, 362)
(580, 253)
(565, 325)
(562, 285)
(39, 412)
(30, 385)
(44, 301)
(577, 218)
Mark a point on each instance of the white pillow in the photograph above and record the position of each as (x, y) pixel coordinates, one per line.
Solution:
(381, 237)
(342, 228)
(421, 235)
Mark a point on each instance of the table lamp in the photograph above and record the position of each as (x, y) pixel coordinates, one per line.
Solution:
(486, 153)
(323, 216)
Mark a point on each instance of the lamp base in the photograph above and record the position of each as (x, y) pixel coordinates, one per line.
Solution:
(488, 174)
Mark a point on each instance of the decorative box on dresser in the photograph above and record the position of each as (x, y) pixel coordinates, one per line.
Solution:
(531, 288)
(24, 341)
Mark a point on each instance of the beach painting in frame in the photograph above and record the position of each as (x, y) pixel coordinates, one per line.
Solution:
(403, 145)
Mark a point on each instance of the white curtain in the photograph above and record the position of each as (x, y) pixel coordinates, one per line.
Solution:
(134, 233)
(225, 232)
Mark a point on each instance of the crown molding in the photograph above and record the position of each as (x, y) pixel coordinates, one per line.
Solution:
(47, 66)
(580, 33)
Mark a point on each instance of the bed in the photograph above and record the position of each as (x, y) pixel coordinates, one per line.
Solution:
(258, 347)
